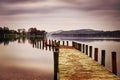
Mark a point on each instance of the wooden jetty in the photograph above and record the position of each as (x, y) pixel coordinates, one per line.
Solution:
(79, 61)
(74, 65)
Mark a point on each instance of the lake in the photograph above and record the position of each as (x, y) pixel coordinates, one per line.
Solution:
(108, 44)
(27, 59)
(21, 59)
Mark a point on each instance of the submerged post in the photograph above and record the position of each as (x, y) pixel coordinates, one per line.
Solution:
(103, 57)
(96, 54)
(90, 51)
(114, 64)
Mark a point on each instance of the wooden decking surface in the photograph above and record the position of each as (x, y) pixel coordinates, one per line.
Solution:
(74, 65)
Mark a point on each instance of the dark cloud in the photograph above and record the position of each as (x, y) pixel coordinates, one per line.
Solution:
(117, 5)
(94, 4)
(17, 1)
(25, 11)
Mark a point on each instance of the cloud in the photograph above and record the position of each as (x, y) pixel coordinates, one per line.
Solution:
(17, 1)
(14, 7)
(94, 4)
(60, 12)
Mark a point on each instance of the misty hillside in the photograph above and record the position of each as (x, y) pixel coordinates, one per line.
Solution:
(87, 33)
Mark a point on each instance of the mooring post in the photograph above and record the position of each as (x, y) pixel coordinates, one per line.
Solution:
(63, 43)
(56, 60)
(49, 42)
(43, 44)
(55, 41)
(37, 44)
(90, 51)
(46, 42)
(114, 64)
(83, 48)
(52, 42)
(67, 43)
(76, 45)
(96, 54)
(72, 44)
(33, 45)
(86, 49)
(40, 44)
(103, 57)
(56, 65)
(79, 46)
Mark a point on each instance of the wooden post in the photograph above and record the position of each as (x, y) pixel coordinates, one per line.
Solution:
(56, 65)
(55, 41)
(114, 64)
(96, 54)
(90, 51)
(43, 44)
(75, 45)
(63, 43)
(56, 60)
(72, 44)
(67, 43)
(86, 49)
(49, 42)
(46, 42)
(52, 42)
(33, 45)
(46, 47)
(103, 57)
(37, 44)
(50, 48)
(59, 43)
(79, 46)
(83, 48)
(40, 44)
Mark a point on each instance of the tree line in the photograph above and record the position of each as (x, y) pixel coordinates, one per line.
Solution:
(34, 32)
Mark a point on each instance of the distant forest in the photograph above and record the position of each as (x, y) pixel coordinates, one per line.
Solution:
(5, 32)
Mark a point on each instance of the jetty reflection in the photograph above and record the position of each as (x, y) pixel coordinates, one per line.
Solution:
(39, 43)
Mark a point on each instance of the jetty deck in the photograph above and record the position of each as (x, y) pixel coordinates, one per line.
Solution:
(75, 65)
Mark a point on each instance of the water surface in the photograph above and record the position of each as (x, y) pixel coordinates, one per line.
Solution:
(20, 56)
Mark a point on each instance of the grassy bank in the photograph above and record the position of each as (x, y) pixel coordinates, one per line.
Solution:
(10, 35)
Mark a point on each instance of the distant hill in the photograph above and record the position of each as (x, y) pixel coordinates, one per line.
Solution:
(86, 33)
(54, 32)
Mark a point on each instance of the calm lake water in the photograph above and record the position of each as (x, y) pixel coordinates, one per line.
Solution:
(20, 58)
(108, 44)
(21, 54)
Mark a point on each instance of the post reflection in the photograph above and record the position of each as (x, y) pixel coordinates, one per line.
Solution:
(38, 43)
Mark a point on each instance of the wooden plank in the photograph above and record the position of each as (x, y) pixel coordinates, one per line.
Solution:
(74, 65)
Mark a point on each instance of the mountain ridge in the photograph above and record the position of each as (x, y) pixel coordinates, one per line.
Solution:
(87, 33)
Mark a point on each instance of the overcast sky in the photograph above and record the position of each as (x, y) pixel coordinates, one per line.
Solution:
(52, 15)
